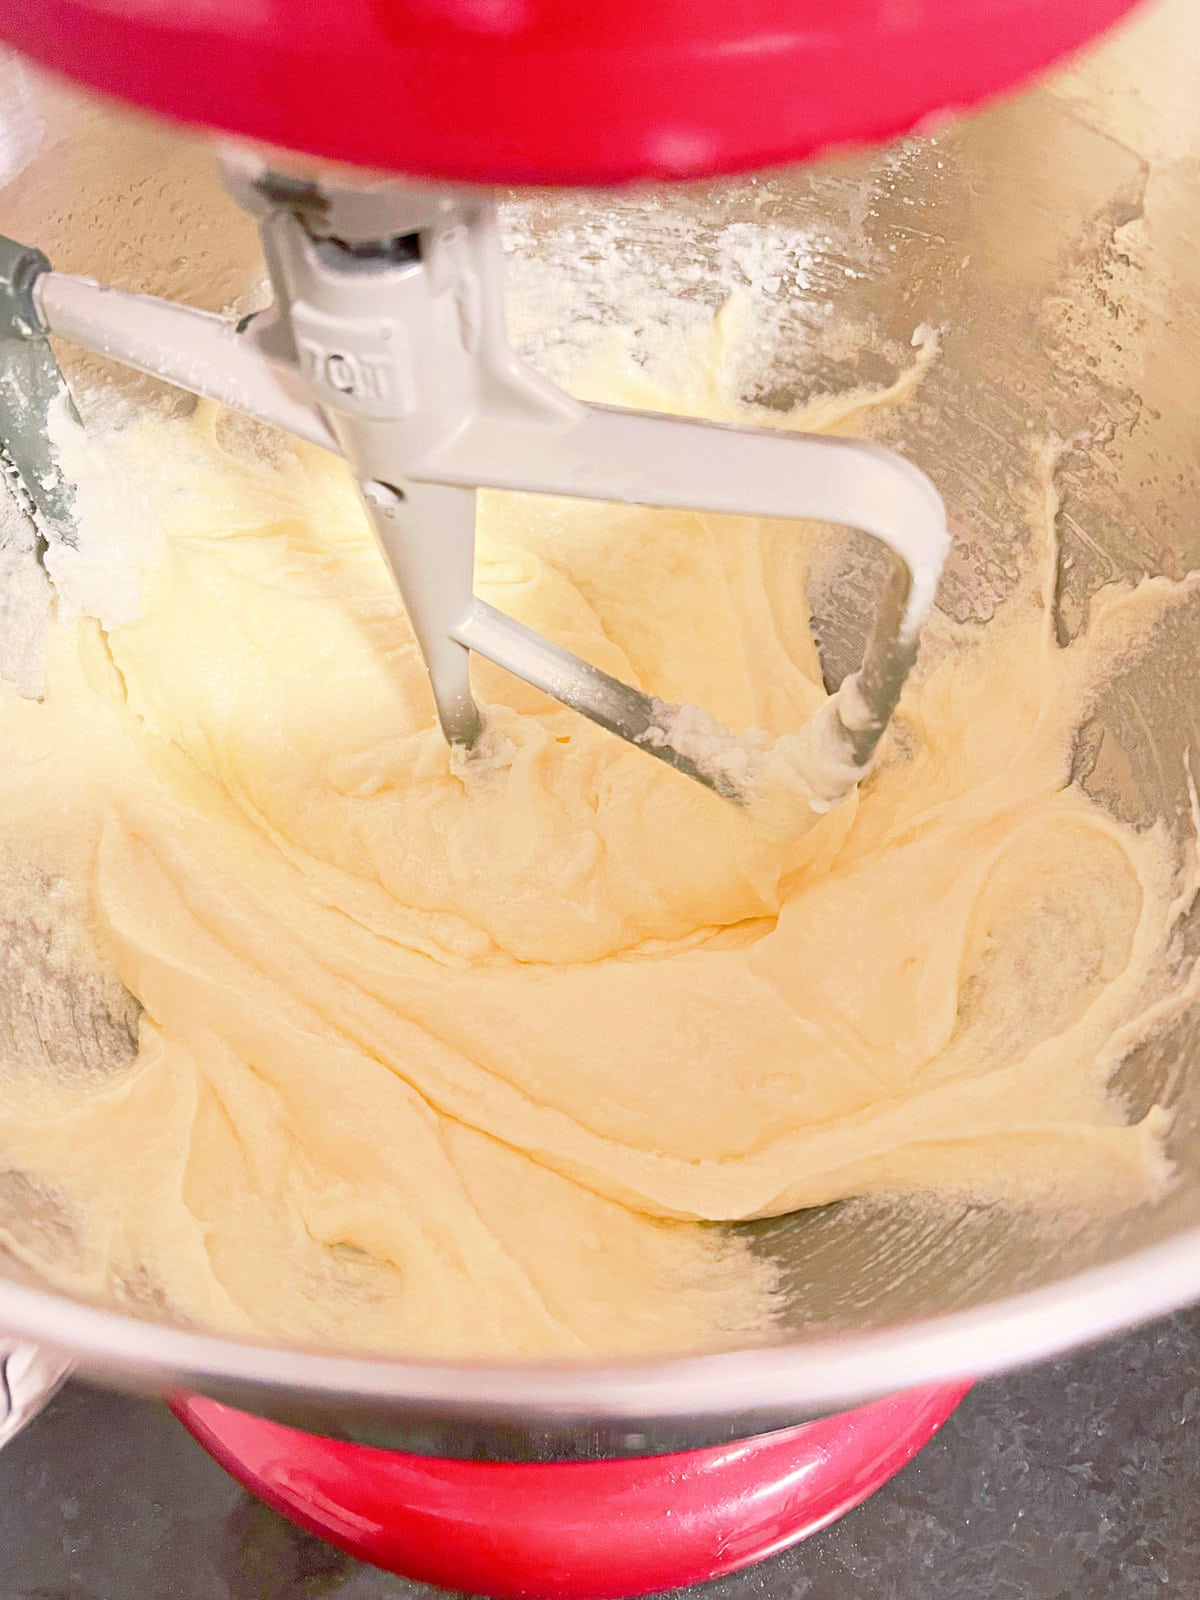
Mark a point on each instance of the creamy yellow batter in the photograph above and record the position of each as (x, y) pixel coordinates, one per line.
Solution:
(452, 1057)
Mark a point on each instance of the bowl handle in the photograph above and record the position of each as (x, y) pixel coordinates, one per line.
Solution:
(29, 1378)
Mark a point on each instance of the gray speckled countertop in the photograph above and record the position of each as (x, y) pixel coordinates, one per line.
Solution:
(1076, 1481)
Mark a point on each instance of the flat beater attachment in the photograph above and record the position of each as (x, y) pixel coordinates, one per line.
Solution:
(387, 342)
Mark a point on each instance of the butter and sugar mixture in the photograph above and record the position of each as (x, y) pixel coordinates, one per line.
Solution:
(465, 1057)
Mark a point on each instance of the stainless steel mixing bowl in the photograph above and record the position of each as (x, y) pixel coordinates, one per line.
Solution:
(1053, 239)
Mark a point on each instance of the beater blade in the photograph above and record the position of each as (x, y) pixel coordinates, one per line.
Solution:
(30, 383)
(387, 342)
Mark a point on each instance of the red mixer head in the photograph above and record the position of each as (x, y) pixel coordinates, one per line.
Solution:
(555, 91)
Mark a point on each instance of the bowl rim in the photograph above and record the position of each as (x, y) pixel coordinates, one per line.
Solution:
(793, 1380)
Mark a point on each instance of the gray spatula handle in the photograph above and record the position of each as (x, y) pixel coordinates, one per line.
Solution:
(29, 1379)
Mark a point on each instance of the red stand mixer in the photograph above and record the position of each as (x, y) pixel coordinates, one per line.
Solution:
(499, 92)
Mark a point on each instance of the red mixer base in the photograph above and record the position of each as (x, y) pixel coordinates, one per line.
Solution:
(577, 1530)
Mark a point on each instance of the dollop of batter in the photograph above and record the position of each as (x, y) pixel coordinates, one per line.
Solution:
(452, 1057)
